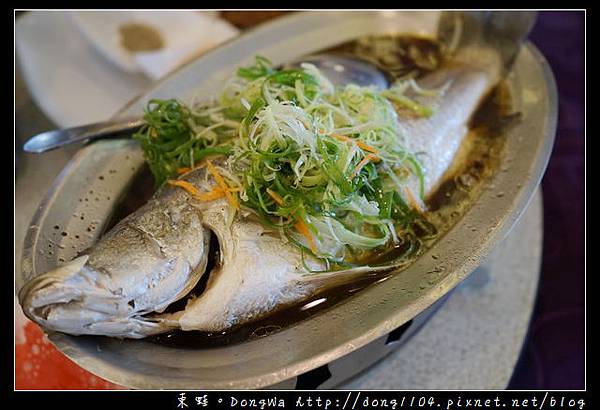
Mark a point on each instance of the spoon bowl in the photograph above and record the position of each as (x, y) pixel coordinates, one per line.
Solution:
(342, 69)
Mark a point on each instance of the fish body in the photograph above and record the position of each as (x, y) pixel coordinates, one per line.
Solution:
(439, 137)
(156, 255)
(257, 273)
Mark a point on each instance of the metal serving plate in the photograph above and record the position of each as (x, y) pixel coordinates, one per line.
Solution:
(85, 194)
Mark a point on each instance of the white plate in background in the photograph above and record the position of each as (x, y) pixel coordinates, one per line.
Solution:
(67, 77)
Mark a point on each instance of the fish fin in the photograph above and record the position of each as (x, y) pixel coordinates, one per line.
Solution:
(340, 277)
(133, 327)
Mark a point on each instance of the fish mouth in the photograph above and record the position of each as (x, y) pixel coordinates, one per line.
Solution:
(40, 296)
(53, 305)
(37, 292)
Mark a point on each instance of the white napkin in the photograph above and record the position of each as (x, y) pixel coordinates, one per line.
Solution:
(183, 43)
(185, 34)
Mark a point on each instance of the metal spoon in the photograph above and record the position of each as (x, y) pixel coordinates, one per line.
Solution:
(342, 69)
(50, 140)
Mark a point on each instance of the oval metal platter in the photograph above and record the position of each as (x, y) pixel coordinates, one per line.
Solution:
(83, 198)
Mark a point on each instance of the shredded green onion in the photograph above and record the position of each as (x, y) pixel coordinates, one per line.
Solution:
(301, 151)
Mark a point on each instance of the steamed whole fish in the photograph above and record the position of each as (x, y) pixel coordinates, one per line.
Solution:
(155, 256)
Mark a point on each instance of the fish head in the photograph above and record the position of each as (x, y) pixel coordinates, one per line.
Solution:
(60, 299)
(68, 299)
(125, 281)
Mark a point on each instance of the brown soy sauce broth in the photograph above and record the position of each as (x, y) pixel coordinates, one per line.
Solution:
(398, 57)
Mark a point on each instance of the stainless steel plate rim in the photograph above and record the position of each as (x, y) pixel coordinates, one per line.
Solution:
(358, 320)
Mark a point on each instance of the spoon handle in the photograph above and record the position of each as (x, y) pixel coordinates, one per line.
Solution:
(50, 140)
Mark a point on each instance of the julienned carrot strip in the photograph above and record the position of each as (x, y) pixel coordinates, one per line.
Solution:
(232, 199)
(340, 137)
(275, 196)
(183, 170)
(367, 147)
(360, 144)
(362, 163)
(215, 193)
(300, 226)
(185, 185)
(304, 231)
(199, 164)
